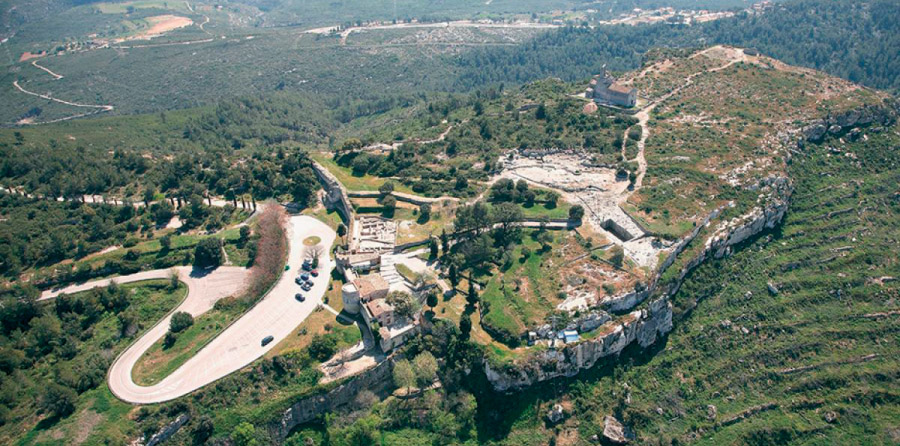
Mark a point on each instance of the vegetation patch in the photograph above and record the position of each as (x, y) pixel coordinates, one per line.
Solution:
(160, 360)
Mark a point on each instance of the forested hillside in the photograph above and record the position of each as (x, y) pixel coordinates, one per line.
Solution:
(856, 40)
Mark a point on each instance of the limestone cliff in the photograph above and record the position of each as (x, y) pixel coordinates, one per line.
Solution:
(645, 326)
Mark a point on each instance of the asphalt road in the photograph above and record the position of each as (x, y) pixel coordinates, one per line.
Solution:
(277, 315)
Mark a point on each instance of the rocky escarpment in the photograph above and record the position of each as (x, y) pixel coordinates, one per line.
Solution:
(376, 379)
(845, 122)
(641, 326)
(773, 203)
(645, 326)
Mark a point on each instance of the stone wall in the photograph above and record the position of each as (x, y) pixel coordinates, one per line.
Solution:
(335, 194)
(401, 196)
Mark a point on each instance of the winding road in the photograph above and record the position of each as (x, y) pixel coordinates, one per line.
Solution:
(277, 315)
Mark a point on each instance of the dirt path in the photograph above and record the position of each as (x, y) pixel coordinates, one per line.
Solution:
(457, 24)
(96, 108)
(643, 116)
(55, 75)
(157, 45)
(442, 136)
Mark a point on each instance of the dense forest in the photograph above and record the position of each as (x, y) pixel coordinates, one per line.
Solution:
(853, 40)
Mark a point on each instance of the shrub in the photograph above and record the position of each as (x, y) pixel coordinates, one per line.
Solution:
(180, 321)
(617, 256)
(57, 400)
(244, 434)
(166, 242)
(208, 253)
(169, 340)
(322, 347)
(244, 235)
(635, 132)
(576, 212)
(389, 202)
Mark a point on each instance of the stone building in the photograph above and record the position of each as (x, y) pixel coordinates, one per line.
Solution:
(372, 287)
(362, 290)
(379, 310)
(605, 90)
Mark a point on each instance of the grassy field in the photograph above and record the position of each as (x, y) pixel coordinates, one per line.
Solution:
(538, 210)
(331, 217)
(411, 228)
(524, 294)
(125, 7)
(353, 182)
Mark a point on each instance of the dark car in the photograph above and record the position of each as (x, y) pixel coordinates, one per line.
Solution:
(299, 280)
(315, 273)
(299, 297)
(266, 340)
(304, 276)
(306, 286)
(306, 265)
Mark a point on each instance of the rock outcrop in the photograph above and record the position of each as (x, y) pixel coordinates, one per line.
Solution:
(376, 379)
(169, 430)
(556, 414)
(642, 326)
(646, 325)
(614, 432)
(837, 124)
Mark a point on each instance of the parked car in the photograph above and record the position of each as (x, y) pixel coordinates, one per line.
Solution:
(307, 265)
(299, 297)
(306, 286)
(299, 280)
(315, 273)
(266, 340)
(304, 276)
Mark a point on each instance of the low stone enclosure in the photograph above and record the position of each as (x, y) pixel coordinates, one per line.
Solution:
(373, 234)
